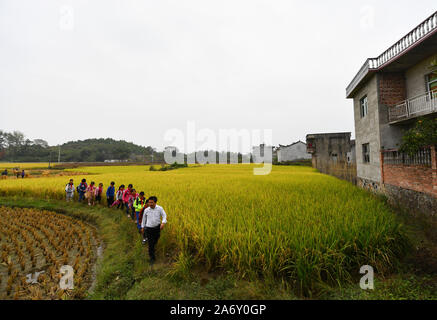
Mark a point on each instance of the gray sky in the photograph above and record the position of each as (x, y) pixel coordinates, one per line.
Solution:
(133, 69)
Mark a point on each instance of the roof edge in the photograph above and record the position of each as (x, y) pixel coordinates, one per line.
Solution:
(422, 32)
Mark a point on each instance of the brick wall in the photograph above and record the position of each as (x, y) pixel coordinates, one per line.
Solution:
(392, 88)
(419, 178)
(414, 177)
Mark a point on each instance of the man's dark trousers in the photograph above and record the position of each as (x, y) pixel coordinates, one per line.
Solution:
(152, 238)
(110, 201)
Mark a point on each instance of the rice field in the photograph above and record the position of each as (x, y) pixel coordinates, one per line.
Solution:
(27, 165)
(35, 245)
(295, 224)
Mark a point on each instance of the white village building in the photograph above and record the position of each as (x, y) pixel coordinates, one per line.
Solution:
(292, 152)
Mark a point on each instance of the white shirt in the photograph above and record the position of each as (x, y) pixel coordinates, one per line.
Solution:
(69, 189)
(152, 217)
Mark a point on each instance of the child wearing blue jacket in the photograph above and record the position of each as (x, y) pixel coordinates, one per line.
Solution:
(110, 194)
(81, 189)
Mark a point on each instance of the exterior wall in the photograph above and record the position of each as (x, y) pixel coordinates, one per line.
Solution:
(328, 144)
(391, 90)
(329, 154)
(412, 186)
(369, 185)
(256, 155)
(416, 82)
(260, 154)
(351, 156)
(413, 177)
(171, 150)
(394, 88)
(415, 202)
(314, 162)
(367, 131)
(296, 151)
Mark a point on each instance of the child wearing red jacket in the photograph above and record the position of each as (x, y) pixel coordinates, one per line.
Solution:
(126, 196)
(98, 193)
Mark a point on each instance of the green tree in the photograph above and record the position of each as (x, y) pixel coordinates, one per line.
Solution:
(41, 142)
(423, 134)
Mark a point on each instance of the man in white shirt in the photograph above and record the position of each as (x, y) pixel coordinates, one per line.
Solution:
(154, 220)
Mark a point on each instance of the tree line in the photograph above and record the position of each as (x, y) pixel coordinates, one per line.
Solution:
(16, 147)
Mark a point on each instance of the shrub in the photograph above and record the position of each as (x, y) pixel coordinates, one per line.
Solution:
(423, 134)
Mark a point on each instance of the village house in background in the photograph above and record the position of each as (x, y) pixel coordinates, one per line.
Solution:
(351, 155)
(333, 153)
(171, 150)
(389, 93)
(115, 161)
(293, 152)
(259, 155)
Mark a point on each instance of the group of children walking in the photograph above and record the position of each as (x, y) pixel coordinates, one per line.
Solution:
(149, 217)
(90, 192)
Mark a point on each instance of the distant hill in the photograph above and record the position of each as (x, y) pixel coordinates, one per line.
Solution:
(15, 147)
(99, 150)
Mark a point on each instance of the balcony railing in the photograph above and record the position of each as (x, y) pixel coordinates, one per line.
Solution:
(412, 108)
(417, 34)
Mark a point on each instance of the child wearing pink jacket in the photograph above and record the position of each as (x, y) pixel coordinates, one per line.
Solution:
(119, 198)
(90, 193)
(98, 193)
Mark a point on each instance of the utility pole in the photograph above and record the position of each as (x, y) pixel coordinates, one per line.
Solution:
(59, 154)
(152, 156)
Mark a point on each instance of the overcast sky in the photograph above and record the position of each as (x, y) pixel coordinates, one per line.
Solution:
(132, 70)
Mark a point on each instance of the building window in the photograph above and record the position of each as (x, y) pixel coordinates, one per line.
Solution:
(366, 153)
(431, 80)
(334, 157)
(363, 107)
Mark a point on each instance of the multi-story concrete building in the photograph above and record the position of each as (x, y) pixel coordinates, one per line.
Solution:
(329, 148)
(390, 92)
(292, 152)
(333, 154)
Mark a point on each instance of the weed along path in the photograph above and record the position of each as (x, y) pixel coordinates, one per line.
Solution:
(45, 255)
